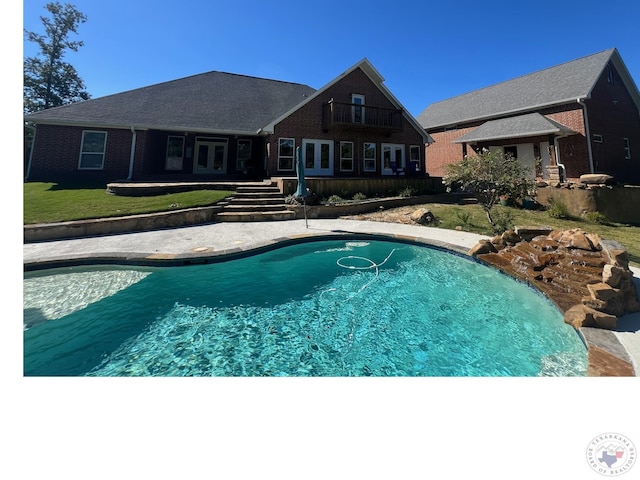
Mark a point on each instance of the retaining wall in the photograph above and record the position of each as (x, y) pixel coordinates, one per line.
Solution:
(620, 204)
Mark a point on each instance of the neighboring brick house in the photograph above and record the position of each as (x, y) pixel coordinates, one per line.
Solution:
(582, 115)
(224, 126)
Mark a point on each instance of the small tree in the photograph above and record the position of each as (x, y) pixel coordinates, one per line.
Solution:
(488, 175)
(48, 80)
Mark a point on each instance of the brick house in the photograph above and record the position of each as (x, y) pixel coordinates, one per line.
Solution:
(575, 118)
(222, 126)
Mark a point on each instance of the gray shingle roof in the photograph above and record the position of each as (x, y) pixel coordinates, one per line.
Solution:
(554, 85)
(528, 125)
(209, 102)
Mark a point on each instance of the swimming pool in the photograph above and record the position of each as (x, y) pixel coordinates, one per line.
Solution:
(347, 307)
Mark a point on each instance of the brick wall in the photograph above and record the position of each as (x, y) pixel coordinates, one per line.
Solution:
(56, 154)
(306, 123)
(613, 115)
(444, 151)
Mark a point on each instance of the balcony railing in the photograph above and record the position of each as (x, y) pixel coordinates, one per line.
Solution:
(351, 115)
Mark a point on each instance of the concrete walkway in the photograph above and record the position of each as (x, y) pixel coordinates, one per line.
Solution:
(220, 238)
(231, 237)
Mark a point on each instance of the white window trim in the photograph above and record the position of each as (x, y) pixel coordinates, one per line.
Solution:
(171, 163)
(293, 157)
(82, 152)
(346, 158)
(401, 167)
(365, 159)
(318, 147)
(419, 161)
(354, 97)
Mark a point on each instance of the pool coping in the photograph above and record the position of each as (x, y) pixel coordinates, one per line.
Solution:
(607, 356)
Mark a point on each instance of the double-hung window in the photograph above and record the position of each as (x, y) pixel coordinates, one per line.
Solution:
(92, 150)
(286, 148)
(346, 156)
(369, 156)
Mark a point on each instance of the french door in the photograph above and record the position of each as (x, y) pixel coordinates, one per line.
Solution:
(318, 157)
(392, 158)
(211, 157)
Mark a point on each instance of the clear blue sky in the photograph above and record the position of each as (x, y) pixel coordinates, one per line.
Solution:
(426, 51)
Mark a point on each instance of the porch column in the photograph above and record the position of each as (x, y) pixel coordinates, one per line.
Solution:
(553, 170)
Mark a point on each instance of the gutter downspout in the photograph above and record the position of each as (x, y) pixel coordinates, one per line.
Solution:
(587, 132)
(33, 142)
(133, 152)
(561, 165)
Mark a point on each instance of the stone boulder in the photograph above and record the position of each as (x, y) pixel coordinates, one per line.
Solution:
(612, 275)
(576, 238)
(511, 238)
(597, 179)
(422, 216)
(482, 247)
(528, 233)
(580, 316)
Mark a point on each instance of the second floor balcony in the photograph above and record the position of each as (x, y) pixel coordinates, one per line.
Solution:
(351, 116)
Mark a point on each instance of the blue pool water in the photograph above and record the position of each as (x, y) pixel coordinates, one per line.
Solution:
(322, 308)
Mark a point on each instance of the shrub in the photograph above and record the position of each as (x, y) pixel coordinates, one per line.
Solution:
(558, 209)
(335, 199)
(595, 217)
(407, 192)
(465, 217)
(359, 196)
(503, 222)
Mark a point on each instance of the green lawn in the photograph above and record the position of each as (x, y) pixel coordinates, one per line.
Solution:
(57, 202)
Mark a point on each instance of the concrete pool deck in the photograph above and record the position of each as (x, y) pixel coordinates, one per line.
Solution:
(197, 243)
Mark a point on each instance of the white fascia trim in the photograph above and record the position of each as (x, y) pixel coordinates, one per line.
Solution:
(518, 135)
(269, 128)
(627, 79)
(376, 78)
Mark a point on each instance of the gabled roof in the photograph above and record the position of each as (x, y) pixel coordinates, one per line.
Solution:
(552, 86)
(210, 102)
(528, 125)
(376, 78)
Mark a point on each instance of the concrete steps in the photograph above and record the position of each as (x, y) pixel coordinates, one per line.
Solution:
(272, 216)
(256, 203)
